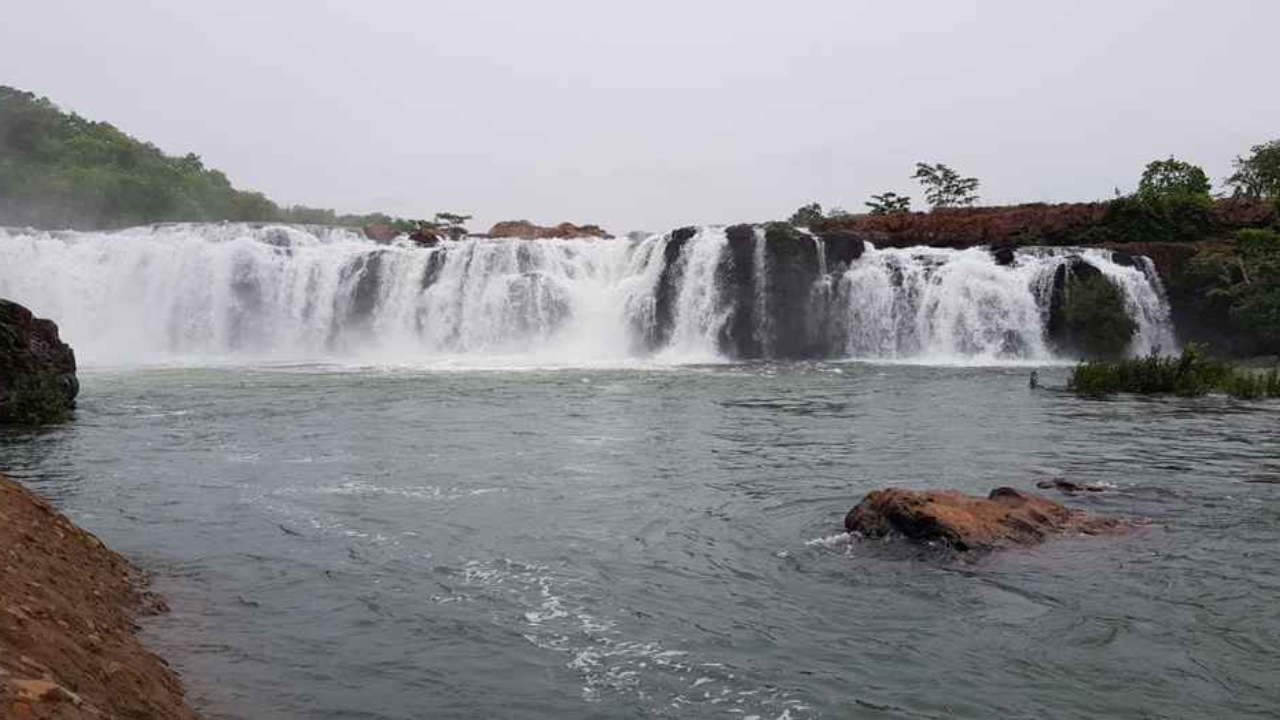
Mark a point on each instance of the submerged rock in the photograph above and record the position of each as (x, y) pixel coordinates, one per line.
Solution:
(1069, 487)
(1005, 518)
(37, 370)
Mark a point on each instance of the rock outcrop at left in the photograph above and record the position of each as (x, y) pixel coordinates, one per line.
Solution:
(68, 638)
(1005, 518)
(37, 370)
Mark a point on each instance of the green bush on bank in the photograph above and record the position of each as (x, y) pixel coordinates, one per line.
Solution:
(1192, 374)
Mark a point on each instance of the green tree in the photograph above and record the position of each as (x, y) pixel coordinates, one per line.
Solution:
(1173, 178)
(452, 224)
(807, 216)
(452, 219)
(1258, 176)
(944, 187)
(889, 203)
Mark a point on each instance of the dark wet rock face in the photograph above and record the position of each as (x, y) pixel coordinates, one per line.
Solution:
(842, 247)
(1087, 315)
(738, 277)
(1004, 254)
(37, 370)
(665, 298)
(791, 266)
(1068, 487)
(1005, 518)
(1124, 259)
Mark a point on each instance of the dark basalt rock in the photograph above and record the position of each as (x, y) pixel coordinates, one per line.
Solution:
(737, 277)
(1068, 487)
(842, 247)
(668, 285)
(1124, 259)
(1005, 518)
(38, 381)
(1004, 254)
(791, 259)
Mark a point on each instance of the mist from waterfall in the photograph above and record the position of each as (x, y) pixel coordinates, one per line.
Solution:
(240, 293)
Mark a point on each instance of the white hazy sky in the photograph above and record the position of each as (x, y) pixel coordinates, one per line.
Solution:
(649, 115)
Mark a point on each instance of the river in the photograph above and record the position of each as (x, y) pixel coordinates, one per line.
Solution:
(359, 542)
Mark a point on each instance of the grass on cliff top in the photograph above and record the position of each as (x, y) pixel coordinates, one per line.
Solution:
(1191, 374)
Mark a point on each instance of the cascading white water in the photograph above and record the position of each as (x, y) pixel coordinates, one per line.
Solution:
(229, 291)
(943, 305)
(154, 294)
(699, 309)
(1145, 298)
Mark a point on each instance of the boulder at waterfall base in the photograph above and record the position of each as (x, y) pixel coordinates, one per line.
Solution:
(37, 370)
(1005, 518)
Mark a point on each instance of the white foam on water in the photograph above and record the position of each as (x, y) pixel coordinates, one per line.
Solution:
(609, 662)
(831, 541)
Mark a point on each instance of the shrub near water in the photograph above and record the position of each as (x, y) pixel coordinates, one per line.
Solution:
(1191, 374)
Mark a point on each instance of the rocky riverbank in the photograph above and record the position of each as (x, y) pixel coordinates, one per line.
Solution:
(68, 623)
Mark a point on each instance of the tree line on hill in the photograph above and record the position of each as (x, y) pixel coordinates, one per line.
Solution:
(60, 170)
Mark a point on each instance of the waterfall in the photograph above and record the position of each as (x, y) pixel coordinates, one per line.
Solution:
(1144, 297)
(943, 304)
(247, 293)
(700, 311)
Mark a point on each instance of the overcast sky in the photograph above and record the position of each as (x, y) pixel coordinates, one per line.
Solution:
(649, 115)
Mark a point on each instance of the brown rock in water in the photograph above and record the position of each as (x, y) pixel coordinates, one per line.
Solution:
(529, 231)
(1007, 517)
(381, 232)
(68, 639)
(425, 237)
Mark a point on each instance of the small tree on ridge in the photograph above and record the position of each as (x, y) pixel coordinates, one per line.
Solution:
(1173, 178)
(943, 187)
(889, 203)
(1258, 176)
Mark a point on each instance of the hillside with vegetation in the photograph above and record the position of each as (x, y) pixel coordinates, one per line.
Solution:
(60, 170)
